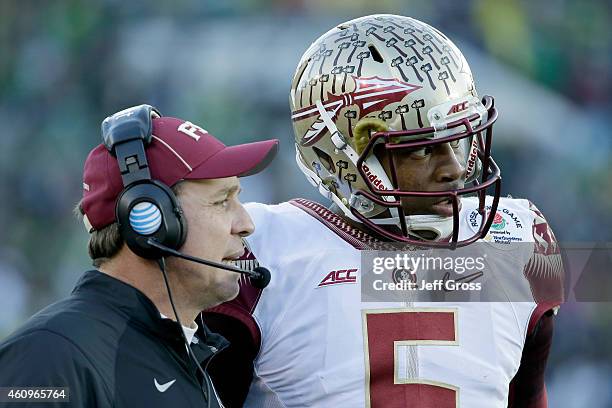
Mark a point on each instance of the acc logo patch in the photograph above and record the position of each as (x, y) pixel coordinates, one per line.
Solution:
(339, 276)
(506, 228)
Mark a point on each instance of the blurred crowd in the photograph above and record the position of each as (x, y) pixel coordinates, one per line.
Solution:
(227, 66)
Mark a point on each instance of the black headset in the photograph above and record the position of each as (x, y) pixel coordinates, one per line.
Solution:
(146, 208)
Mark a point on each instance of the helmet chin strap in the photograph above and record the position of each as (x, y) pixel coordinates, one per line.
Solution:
(423, 226)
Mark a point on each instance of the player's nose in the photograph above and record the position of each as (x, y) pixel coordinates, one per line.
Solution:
(450, 169)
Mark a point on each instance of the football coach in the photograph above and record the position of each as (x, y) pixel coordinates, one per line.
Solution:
(160, 201)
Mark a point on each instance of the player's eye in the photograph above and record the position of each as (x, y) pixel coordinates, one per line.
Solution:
(422, 152)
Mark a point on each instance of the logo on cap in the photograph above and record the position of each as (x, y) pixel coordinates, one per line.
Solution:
(145, 218)
(190, 130)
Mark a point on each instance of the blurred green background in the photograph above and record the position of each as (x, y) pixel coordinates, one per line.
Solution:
(227, 66)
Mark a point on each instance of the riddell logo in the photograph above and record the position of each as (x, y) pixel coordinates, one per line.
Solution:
(471, 164)
(459, 107)
(376, 182)
(339, 276)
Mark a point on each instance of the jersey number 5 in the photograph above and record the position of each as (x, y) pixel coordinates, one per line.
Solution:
(385, 331)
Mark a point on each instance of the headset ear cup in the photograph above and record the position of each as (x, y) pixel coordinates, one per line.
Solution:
(149, 209)
(177, 224)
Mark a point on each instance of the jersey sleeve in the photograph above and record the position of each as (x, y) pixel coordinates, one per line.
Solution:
(527, 388)
(544, 269)
(43, 358)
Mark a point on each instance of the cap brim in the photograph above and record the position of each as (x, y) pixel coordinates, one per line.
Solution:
(241, 160)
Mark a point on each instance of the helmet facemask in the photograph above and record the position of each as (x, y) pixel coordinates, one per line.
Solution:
(472, 135)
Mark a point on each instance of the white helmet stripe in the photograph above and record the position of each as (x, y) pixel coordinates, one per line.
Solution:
(374, 166)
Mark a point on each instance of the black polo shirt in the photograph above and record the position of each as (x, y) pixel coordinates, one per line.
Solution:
(109, 345)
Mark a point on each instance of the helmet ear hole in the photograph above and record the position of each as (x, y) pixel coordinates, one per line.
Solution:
(325, 159)
(363, 131)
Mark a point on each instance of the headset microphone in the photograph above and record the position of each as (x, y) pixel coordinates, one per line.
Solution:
(260, 276)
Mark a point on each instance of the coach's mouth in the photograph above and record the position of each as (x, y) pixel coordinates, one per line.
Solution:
(232, 257)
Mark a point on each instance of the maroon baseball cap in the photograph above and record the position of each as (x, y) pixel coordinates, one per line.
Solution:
(179, 150)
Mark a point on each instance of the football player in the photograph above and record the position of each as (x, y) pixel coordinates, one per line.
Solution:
(388, 127)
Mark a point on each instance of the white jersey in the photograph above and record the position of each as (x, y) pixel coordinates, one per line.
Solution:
(321, 346)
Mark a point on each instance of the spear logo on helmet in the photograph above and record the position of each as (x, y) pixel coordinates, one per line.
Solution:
(370, 95)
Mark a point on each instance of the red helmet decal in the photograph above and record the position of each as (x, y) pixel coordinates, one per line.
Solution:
(370, 95)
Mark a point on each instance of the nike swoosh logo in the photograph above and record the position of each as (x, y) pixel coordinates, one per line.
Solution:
(163, 387)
